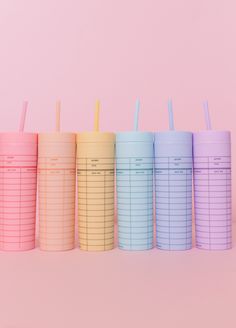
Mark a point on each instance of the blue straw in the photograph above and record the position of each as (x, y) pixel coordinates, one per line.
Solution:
(171, 116)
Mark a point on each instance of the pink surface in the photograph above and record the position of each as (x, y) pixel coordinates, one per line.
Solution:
(79, 50)
(118, 289)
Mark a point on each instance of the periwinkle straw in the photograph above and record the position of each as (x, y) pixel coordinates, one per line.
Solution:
(171, 115)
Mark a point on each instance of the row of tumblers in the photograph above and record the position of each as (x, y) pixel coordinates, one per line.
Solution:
(53, 159)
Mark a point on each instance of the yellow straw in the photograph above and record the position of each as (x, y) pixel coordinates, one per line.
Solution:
(58, 114)
(96, 116)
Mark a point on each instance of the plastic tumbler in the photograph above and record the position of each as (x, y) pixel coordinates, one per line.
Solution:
(56, 184)
(18, 181)
(95, 174)
(212, 188)
(134, 184)
(173, 186)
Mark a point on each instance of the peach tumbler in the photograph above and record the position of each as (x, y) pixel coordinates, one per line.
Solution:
(56, 181)
(95, 174)
(18, 181)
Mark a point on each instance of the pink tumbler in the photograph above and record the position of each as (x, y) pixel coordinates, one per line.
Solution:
(212, 189)
(18, 174)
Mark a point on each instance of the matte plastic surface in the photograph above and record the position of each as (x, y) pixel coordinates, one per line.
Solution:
(134, 183)
(18, 181)
(95, 174)
(56, 182)
(173, 181)
(212, 189)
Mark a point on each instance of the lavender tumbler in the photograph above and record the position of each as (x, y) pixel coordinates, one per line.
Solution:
(212, 189)
(173, 186)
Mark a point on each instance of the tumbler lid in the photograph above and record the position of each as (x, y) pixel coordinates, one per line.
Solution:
(18, 137)
(95, 136)
(134, 136)
(64, 137)
(211, 136)
(172, 136)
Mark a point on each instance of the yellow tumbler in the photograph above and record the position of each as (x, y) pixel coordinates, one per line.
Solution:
(95, 176)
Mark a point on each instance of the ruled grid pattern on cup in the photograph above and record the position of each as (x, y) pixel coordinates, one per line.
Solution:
(212, 194)
(18, 179)
(56, 202)
(134, 183)
(96, 203)
(173, 188)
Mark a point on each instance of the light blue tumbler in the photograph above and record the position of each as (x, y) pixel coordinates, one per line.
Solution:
(173, 186)
(134, 183)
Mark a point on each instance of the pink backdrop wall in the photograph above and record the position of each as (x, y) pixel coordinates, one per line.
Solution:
(115, 51)
(80, 50)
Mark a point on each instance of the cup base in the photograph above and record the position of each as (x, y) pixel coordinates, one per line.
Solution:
(91, 248)
(214, 247)
(17, 247)
(56, 248)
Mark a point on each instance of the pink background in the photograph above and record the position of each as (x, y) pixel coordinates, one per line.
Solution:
(81, 50)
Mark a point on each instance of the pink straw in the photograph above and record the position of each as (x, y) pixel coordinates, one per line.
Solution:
(23, 115)
(58, 115)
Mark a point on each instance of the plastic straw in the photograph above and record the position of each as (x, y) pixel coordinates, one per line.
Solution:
(96, 116)
(23, 115)
(171, 116)
(58, 115)
(207, 115)
(136, 115)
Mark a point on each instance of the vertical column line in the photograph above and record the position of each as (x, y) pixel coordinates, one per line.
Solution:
(130, 204)
(86, 201)
(186, 199)
(104, 237)
(169, 197)
(63, 222)
(20, 212)
(209, 199)
(46, 211)
(226, 205)
(3, 213)
(147, 205)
